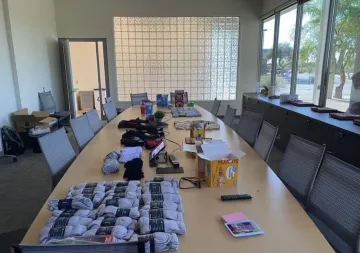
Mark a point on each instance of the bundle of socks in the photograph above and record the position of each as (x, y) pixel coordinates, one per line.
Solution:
(68, 221)
(147, 226)
(88, 185)
(77, 203)
(118, 231)
(110, 222)
(173, 181)
(96, 198)
(98, 189)
(161, 241)
(147, 198)
(157, 188)
(122, 183)
(112, 211)
(154, 214)
(168, 205)
(72, 212)
(65, 231)
(111, 164)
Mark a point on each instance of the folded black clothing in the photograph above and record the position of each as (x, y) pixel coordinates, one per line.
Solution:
(143, 134)
(132, 142)
(133, 169)
(131, 123)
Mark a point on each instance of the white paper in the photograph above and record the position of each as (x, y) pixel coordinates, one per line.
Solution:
(189, 148)
(238, 153)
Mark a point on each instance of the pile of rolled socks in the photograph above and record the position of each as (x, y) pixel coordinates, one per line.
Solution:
(147, 226)
(111, 164)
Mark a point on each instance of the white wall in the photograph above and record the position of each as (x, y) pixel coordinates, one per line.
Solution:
(269, 5)
(7, 91)
(94, 19)
(36, 55)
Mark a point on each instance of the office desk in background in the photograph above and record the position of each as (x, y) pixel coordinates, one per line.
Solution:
(286, 225)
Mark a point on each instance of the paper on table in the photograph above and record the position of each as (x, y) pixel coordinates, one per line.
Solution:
(238, 153)
(189, 148)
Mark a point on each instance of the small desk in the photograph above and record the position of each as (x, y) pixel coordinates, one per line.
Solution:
(286, 225)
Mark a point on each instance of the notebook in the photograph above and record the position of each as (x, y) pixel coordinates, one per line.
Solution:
(232, 217)
(244, 228)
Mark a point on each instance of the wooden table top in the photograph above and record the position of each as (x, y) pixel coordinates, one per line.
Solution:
(286, 225)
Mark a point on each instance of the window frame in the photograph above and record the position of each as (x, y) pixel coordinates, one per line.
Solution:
(327, 50)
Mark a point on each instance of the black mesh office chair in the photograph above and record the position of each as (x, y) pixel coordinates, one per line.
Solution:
(334, 203)
(299, 165)
(47, 103)
(229, 116)
(215, 107)
(136, 99)
(265, 141)
(249, 126)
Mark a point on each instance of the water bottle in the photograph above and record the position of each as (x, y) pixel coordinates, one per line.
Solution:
(258, 88)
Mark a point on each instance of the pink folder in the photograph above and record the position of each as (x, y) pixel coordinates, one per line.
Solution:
(232, 217)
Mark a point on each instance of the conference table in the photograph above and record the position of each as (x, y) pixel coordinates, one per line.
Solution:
(286, 226)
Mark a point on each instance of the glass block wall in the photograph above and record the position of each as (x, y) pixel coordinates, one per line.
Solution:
(164, 54)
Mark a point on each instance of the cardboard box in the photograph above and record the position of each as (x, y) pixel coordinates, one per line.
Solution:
(23, 121)
(218, 165)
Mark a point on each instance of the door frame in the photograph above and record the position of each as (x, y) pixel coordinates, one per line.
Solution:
(106, 63)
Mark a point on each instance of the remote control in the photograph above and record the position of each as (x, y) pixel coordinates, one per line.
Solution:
(235, 197)
(174, 161)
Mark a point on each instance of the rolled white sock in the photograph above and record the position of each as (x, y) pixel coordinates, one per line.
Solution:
(168, 205)
(155, 188)
(95, 198)
(122, 183)
(119, 232)
(154, 214)
(127, 195)
(110, 222)
(67, 231)
(69, 213)
(87, 185)
(148, 226)
(112, 211)
(120, 203)
(94, 190)
(68, 221)
(131, 230)
(174, 181)
(162, 241)
(147, 198)
(78, 203)
(123, 189)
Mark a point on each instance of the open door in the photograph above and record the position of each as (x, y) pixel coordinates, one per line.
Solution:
(66, 72)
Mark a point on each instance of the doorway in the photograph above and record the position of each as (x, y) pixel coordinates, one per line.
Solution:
(85, 75)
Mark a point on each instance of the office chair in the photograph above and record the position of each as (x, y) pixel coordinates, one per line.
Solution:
(299, 165)
(136, 99)
(110, 111)
(265, 141)
(47, 103)
(215, 107)
(58, 153)
(229, 116)
(334, 201)
(249, 126)
(82, 130)
(109, 100)
(94, 121)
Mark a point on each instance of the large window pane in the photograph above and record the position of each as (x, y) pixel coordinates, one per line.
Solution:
(311, 53)
(345, 57)
(267, 50)
(164, 54)
(285, 49)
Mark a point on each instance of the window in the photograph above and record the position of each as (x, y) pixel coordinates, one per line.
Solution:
(164, 54)
(311, 51)
(285, 49)
(267, 50)
(345, 58)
